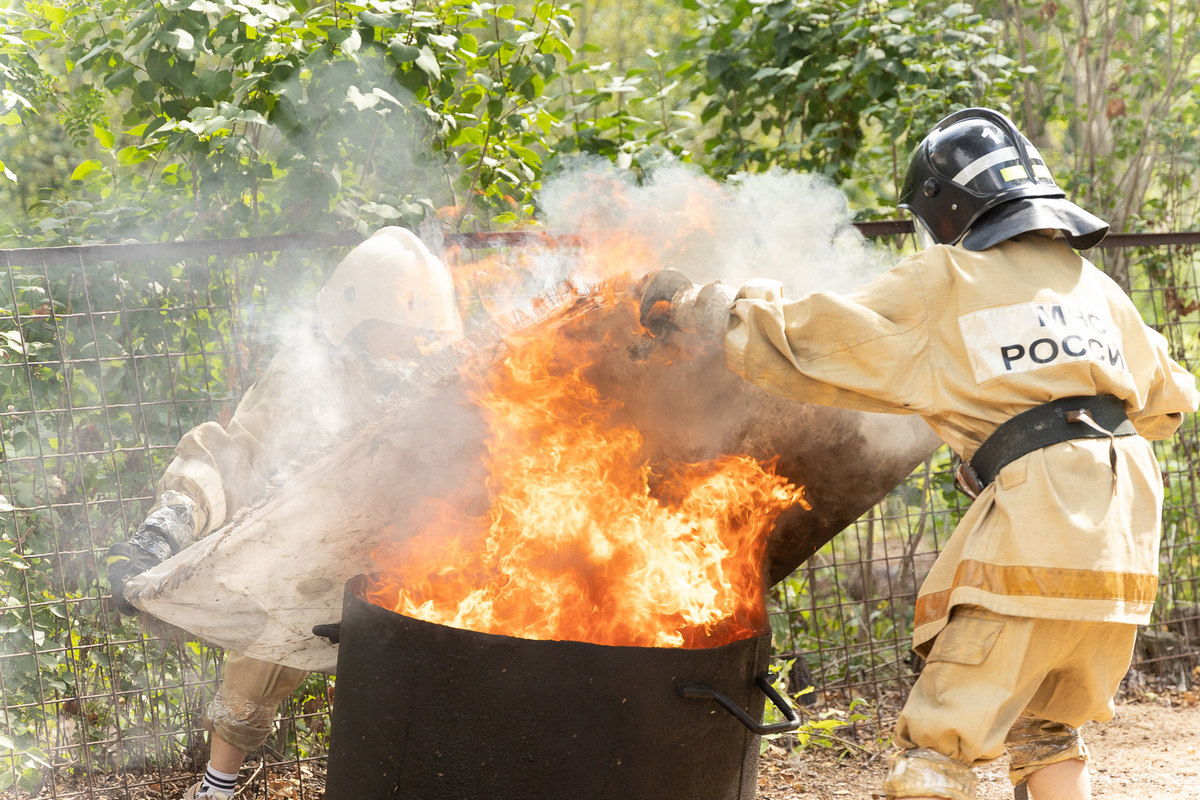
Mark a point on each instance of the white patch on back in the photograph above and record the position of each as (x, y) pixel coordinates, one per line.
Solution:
(1030, 336)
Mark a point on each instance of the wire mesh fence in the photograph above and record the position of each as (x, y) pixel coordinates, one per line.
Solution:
(108, 357)
(109, 354)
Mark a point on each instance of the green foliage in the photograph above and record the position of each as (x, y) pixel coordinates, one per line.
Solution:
(819, 730)
(1108, 92)
(101, 370)
(192, 117)
(201, 117)
(637, 119)
(792, 82)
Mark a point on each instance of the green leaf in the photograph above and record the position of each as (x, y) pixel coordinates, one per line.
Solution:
(158, 64)
(427, 62)
(388, 96)
(95, 51)
(878, 84)
(119, 78)
(86, 168)
(839, 91)
(178, 38)
(214, 82)
(128, 156)
(403, 53)
(381, 210)
(375, 20)
(337, 35)
(519, 74)
(103, 136)
(360, 101)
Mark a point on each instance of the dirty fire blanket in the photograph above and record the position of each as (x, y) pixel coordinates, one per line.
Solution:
(259, 584)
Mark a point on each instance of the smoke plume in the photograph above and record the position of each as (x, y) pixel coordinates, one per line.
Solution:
(795, 228)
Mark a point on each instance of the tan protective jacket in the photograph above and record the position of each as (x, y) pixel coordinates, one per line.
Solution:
(306, 399)
(968, 340)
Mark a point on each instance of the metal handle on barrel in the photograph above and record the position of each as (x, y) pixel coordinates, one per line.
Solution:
(330, 630)
(699, 690)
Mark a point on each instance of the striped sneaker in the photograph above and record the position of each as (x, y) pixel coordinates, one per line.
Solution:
(194, 793)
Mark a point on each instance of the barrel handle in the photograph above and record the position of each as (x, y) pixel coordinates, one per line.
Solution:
(699, 690)
(329, 630)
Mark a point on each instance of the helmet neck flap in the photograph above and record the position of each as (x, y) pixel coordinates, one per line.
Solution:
(977, 180)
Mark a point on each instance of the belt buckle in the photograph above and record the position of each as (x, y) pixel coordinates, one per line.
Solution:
(967, 481)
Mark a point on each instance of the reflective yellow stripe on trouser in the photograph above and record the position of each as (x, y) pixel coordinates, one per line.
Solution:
(1050, 582)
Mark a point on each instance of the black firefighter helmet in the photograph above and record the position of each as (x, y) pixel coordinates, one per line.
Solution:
(976, 179)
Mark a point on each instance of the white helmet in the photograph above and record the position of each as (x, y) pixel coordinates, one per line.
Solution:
(391, 277)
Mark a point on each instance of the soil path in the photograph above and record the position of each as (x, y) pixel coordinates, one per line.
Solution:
(1147, 752)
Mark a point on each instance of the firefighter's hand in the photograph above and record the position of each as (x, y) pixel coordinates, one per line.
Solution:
(672, 302)
(125, 560)
(659, 290)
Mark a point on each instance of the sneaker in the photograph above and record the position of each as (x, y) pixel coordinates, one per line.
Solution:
(194, 793)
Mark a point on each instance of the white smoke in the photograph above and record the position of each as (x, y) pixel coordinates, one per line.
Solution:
(793, 227)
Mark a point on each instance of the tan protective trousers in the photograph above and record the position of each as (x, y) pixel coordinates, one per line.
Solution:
(251, 691)
(991, 678)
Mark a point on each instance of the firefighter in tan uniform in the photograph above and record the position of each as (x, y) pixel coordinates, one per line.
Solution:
(389, 298)
(1038, 371)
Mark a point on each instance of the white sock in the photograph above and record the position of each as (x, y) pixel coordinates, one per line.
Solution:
(223, 782)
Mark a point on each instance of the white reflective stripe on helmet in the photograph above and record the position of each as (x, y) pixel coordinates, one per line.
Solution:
(390, 277)
(968, 173)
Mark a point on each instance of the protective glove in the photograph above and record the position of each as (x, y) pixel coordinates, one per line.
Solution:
(169, 526)
(672, 302)
(125, 560)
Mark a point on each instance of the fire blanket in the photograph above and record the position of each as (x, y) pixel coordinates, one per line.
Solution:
(265, 575)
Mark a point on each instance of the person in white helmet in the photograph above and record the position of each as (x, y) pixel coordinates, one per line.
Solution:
(1037, 370)
(386, 302)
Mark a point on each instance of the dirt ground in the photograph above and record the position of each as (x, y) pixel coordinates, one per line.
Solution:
(1147, 752)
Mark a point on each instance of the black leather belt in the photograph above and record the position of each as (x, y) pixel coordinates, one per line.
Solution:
(1057, 421)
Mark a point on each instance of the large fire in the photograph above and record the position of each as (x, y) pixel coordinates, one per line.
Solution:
(584, 540)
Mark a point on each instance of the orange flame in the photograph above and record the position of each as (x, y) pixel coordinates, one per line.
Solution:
(583, 540)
